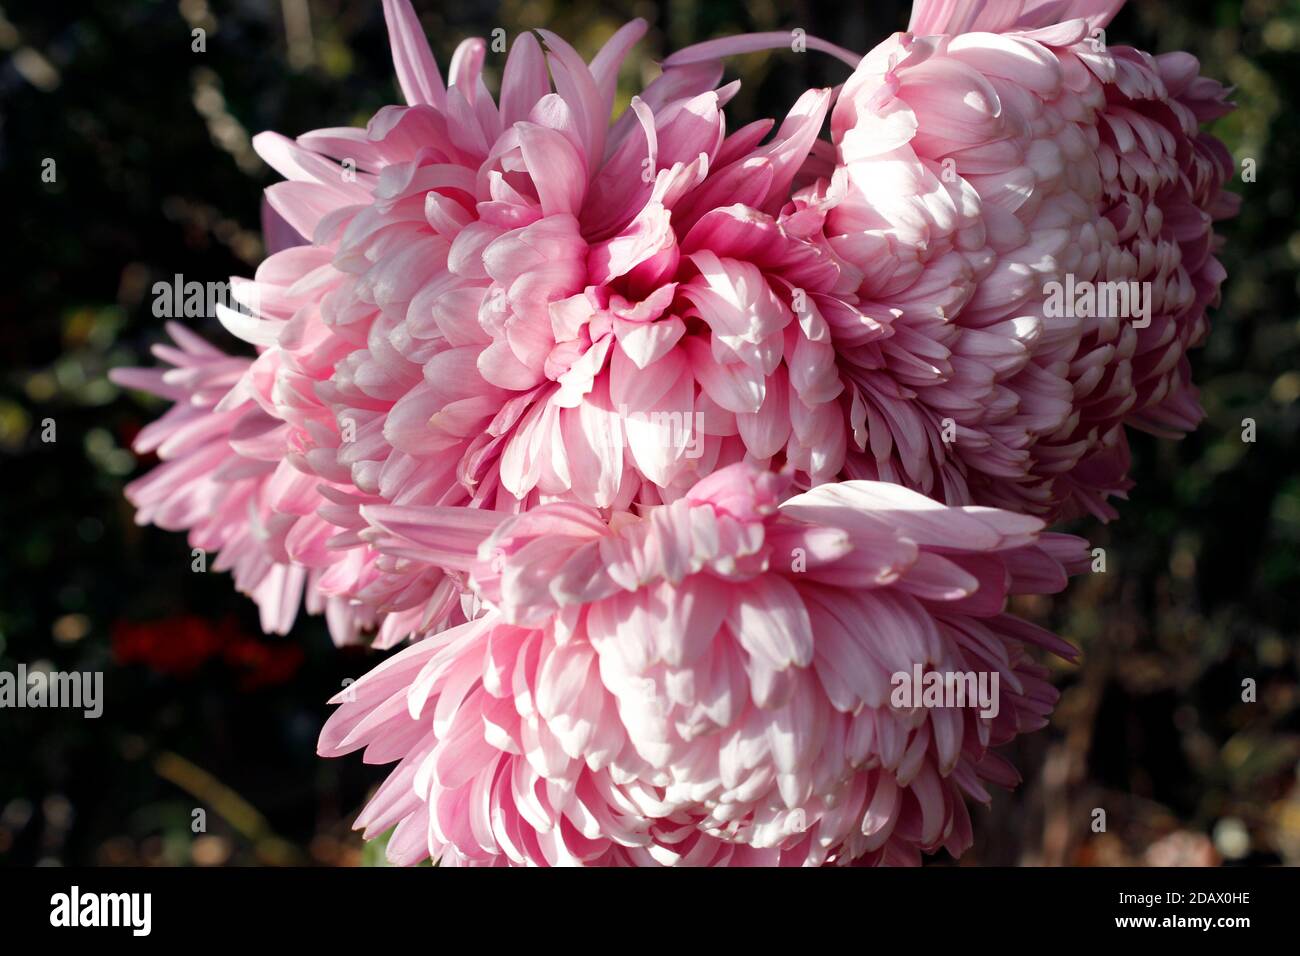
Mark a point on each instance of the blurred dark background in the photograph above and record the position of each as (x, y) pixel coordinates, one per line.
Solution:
(155, 176)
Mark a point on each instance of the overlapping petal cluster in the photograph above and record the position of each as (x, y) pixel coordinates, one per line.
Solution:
(671, 444)
(707, 682)
(986, 157)
(506, 301)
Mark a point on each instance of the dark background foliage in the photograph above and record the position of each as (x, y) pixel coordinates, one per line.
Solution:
(155, 177)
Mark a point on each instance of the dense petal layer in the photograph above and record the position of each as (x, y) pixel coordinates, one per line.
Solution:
(717, 681)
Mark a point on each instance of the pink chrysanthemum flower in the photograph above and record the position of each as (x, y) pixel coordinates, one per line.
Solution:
(706, 683)
(508, 301)
(525, 381)
(993, 154)
(216, 476)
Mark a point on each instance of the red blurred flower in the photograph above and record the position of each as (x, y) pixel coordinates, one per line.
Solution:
(177, 646)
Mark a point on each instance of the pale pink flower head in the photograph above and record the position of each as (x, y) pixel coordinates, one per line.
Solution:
(994, 167)
(496, 302)
(537, 304)
(218, 476)
(710, 682)
(522, 302)
(1000, 164)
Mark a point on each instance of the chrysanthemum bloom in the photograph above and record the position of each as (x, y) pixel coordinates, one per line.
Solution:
(526, 304)
(508, 301)
(994, 159)
(215, 480)
(708, 683)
